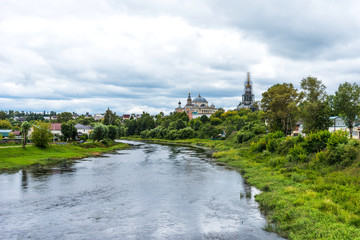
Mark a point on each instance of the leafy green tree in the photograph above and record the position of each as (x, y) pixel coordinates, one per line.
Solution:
(86, 121)
(109, 117)
(41, 136)
(2, 115)
(1, 137)
(25, 127)
(68, 130)
(347, 103)
(315, 109)
(99, 132)
(146, 122)
(204, 119)
(113, 132)
(5, 124)
(280, 104)
(11, 136)
(64, 117)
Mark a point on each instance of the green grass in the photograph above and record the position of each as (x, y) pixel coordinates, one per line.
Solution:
(300, 200)
(18, 158)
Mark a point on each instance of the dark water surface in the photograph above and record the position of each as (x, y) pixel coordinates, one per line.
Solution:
(149, 192)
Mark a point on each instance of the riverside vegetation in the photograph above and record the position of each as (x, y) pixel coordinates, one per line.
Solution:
(15, 158)
(310, 184)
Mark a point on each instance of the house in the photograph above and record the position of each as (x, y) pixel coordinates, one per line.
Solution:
(339, 124)
(126, 116)
(17, 134)
(5, 132)
(98, 116)
(83, 129)
(298, 129)
(55, 128)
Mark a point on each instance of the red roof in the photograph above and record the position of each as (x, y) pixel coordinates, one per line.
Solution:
(16, 133)
(55, 127)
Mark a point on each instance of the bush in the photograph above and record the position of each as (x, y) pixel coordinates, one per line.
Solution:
(297, 154)
(41, 136)
(99, 132)
(259, 129)
(342, 154)
(258, 146)
(336, 138)
(186, 133)
(272, 145)
(113, 132)
(243, 136)
(315, 142)
(144, 134)
(84, 137)
(173, 134)
(285, 145)
(277, 161)
(215, 121)
(107, 142)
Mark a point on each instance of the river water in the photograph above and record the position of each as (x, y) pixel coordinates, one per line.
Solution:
(151, 191)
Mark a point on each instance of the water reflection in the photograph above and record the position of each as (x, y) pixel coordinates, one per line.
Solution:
(148, 192)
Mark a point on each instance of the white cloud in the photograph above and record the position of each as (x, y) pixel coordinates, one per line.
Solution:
(136, 55)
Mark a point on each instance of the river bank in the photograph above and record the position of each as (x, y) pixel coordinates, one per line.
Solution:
(20, 158)
(300, 200)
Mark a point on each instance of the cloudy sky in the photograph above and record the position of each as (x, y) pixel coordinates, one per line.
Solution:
(136, 55)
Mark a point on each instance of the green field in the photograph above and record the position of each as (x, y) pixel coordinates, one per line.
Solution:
(13, 158)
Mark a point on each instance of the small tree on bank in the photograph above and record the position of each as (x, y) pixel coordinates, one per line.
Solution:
(25, 127)
(41, 136)
(68, 130)
(99, 132)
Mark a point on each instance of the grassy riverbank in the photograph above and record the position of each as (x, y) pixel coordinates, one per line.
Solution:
(18, 158)
(301, 200)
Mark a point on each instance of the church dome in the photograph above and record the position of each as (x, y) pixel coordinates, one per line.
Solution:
(200, 99)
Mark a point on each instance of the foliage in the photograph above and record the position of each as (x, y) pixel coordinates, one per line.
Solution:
(280, 104)
(68, 130)
(3, 115)
(99, 132)
(109, 117)
(113, 132)
(347, 103)
(64, 117)
(243, 136)
(11, 136)
(25, 128)
(5, 124)
(315, 142)
(41, 135)
(336, 138)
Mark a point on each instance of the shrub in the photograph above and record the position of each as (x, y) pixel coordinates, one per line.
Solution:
(107, 142)
(41, 135)
(113, 132)
(187, 132)
(259, 129)
(286, 144)
(258, 146)
(215, 121)
(336, 138)
(343, 154)
(315, 142)
(84, 137)
(277, 161)
(144, 134)
(272, 145)
(99, 132)
(297, 154)
(243, 136)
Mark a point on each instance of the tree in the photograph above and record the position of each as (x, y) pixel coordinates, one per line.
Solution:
(280, 104)
(113, 132)
(11, 135)
(68, 130)
(2, 115)
(315, 109)
(5, 124)
(109, 117)
(41, 136)
(204, 119)
(64, 117)
(99, 132)
(25, 127)
(347, 103)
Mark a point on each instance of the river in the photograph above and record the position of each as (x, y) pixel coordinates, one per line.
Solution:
(150, 191)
